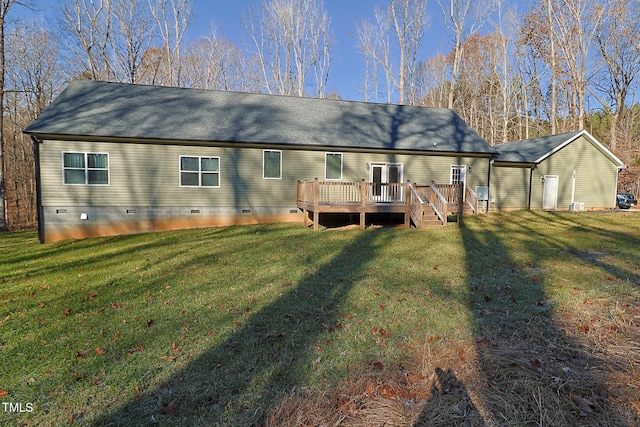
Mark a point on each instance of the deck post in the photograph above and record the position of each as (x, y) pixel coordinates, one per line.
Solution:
(363, 203)
(407, 203)
(316, 197)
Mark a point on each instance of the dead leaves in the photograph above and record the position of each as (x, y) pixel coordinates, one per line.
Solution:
(585, 405)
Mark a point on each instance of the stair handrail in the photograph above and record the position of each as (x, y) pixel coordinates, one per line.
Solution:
(471, 198)
(439, 203)
(417, 209)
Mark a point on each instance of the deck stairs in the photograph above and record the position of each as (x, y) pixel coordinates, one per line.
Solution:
(429, 217)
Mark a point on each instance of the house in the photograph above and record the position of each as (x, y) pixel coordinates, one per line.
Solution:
(565, 171)
(118, 158)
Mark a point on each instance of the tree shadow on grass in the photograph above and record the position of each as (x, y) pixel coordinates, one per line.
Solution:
(274, 352)
(449, 404)
(531, 372)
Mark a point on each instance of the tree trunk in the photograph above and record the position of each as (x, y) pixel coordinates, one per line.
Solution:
(5, 5)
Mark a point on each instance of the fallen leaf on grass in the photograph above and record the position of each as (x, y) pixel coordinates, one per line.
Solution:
(377, 365)
(66, 312)
(3, 393)
(100, 351)
(136, 349)
(588, 302)
(92, 294)
(393, 392)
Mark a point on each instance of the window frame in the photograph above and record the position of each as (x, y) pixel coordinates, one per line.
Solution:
(326, 164)
(87, 169)
(200, 172)
(264, 169)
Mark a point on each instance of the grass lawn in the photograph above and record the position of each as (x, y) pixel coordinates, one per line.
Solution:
(525, 318)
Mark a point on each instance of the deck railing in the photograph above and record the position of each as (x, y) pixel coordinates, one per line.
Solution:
(471, 198)
(416, 205)
(350, 193)
(319, 196)
(439, 203)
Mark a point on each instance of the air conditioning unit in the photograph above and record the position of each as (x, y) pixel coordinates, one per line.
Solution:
(577, 206)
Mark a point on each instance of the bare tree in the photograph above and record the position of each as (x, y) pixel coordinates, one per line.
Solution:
(432, 82)
(33, 79)
(575, 27)
(216, 63)
(374, 44)
(506, 29)
(409, 19)
(619, 50)
(86, 29)
(404, 21)
(132, 34)
(173, 17)
(291, 41)
(5, 7)
(464, 18)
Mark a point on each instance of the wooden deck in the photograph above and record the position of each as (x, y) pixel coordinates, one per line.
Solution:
(421, 205)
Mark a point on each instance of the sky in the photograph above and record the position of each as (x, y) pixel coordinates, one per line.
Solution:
(347, 69)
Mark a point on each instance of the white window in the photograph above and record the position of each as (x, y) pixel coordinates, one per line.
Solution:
(199, 171)
(272, 164)
(85, 168)
(333, 166)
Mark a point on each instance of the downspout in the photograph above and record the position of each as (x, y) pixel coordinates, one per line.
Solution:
(573, 189)
(531, 169)
(615, 196)
(489, 184)
(39, 213)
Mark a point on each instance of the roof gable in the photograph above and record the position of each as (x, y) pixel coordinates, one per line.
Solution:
(99, 109)
(536, 150)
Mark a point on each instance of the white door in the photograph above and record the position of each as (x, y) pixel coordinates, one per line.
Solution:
(550, 192)
(382, 174)
(458, 175)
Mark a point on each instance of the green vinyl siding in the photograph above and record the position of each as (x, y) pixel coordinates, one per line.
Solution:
(149, 174)
(596, 176)
(509, 187)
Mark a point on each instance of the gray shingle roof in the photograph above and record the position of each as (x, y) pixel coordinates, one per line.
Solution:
(533, 150)
(100, 109)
